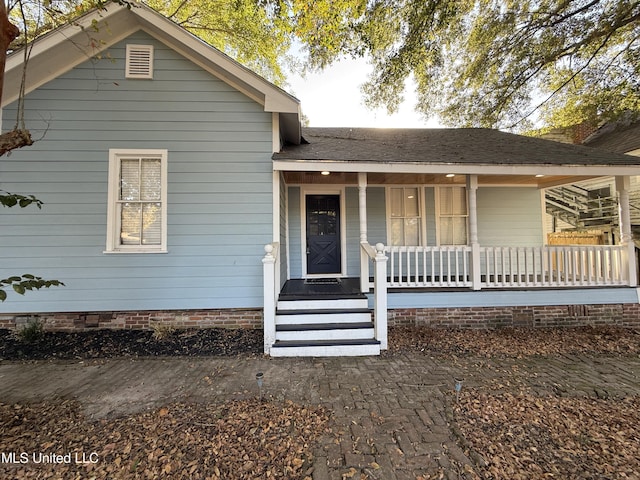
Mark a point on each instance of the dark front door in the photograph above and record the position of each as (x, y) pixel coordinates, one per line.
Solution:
(323, 234)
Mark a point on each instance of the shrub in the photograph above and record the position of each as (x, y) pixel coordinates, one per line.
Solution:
(31, 332)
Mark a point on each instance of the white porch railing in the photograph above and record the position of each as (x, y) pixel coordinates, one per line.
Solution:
(507, 267)
(414, 267)
(553, 266)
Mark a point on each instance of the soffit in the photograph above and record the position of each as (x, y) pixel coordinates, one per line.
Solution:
(351, 178)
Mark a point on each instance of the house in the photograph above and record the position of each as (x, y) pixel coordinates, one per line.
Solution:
(179, 188)
(592, 204)
(620, 137)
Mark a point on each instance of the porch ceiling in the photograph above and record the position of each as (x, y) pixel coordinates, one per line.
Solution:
(376, 178)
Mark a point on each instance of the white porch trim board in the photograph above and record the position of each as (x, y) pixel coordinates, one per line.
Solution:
(472, 191)
(491, 298)
(362, 214)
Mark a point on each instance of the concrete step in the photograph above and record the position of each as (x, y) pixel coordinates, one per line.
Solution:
(325, 348)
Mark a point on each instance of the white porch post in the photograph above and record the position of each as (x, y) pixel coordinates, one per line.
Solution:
(472, 189)
(276, 225)
(626, 238)
(269, 295)
(380, 296)
(362, 213)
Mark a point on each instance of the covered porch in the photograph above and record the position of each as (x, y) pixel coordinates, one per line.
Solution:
(416, 226)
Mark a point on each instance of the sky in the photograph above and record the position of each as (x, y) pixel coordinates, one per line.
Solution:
(332, 98)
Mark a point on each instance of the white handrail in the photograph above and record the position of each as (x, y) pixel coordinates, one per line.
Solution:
(379, 289)
(271, 287)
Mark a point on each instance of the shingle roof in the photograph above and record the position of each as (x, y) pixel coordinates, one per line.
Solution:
(477, 146)
(616, 138)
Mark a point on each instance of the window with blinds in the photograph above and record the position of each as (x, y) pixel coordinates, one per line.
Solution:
(452, 215)
(405, 219)
(137, 201)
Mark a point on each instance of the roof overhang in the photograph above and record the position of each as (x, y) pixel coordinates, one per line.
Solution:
(92, 34)
(542, 176)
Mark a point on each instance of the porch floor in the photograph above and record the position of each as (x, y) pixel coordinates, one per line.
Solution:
(325, 288)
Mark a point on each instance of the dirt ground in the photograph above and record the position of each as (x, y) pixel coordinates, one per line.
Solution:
(512, 419)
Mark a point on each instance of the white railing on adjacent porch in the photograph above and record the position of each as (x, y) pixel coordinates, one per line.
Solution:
(552, 266)
(506, 267)
(415, 266)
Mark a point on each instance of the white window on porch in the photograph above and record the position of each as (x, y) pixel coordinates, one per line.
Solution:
(137, 211)
(452, 215)
(404, 216)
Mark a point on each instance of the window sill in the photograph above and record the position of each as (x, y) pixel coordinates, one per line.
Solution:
(126, 252)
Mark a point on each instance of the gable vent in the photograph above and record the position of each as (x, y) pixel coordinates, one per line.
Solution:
(139, 61)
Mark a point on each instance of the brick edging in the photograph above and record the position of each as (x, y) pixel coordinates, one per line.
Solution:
(138, 320)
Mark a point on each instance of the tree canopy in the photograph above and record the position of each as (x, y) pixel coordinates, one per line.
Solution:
(499, 63)
(491, 63)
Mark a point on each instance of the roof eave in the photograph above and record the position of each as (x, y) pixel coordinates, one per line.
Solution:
(301, 165)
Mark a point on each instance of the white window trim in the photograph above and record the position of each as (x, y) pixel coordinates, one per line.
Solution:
(438, 216)
(113, 221)
(421, 207)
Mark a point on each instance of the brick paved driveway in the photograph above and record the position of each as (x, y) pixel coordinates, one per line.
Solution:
(390, 412)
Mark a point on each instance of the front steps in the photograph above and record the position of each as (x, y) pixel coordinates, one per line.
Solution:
(324, 326)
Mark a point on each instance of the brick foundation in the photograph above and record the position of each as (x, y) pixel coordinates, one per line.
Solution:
(624, 315)
(225, 318)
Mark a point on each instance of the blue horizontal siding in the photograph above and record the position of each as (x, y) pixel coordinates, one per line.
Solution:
(295, 233)
(219, 188)
(509, 216)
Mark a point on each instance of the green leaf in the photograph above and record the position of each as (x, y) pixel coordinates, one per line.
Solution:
(19, 289)
(8, 200)
(3, 295)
